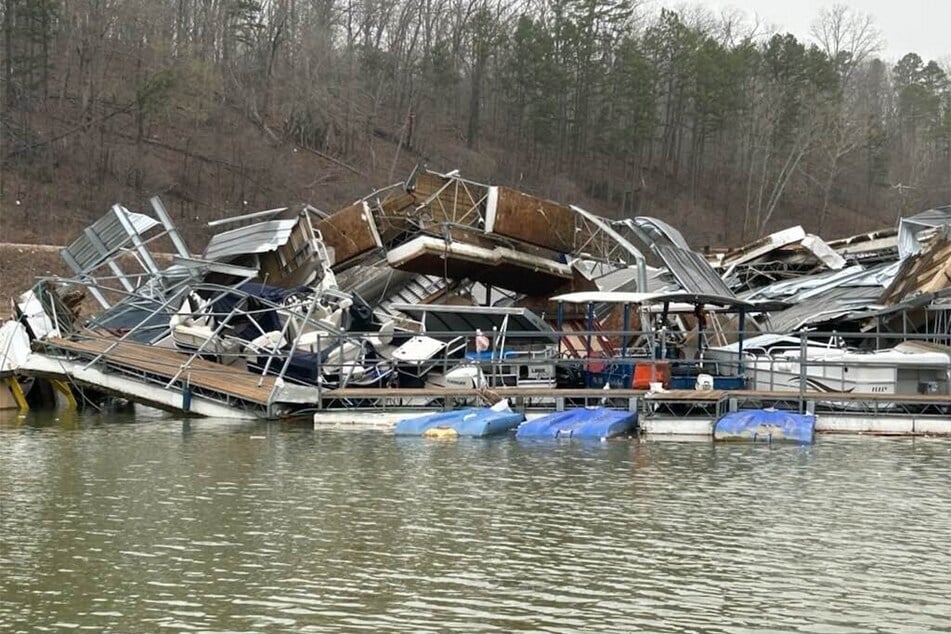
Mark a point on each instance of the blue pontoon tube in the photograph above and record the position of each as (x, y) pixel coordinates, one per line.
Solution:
(580, 422)
(472, 421)
(766, 425)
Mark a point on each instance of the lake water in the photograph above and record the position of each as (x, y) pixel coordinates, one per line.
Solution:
(145, 523)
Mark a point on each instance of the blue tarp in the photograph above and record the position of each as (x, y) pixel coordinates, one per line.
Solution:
(262, 313)
(303, 368)
(580, 422)
(766, 425)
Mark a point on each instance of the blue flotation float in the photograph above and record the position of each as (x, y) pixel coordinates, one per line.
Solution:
(766, 425)
(472, 421)
(580, 422)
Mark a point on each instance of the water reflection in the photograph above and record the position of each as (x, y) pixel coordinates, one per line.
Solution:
(158, 523)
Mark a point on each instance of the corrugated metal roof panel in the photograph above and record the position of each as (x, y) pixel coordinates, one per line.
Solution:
(936, 217)
(909, 228)
(110, 233)
(831, 304)
(257, 238)
(693, 272)
(656, 229)
(803, 287)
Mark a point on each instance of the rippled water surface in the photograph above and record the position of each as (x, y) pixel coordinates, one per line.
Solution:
(150, 524)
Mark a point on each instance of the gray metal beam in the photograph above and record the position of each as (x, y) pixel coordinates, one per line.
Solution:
(170, 227)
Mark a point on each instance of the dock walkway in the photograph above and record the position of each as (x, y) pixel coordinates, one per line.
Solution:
(164, 365)
(164, 377)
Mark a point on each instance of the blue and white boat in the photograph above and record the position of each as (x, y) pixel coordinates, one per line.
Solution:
(580, 422)
(472, 421)
(766, 425)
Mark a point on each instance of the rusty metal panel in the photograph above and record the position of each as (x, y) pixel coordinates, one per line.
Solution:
(351, 232)
(533, 220)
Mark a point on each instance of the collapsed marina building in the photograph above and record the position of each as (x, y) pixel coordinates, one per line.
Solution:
(441, 288)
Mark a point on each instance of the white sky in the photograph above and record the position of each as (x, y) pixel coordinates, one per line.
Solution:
(920, 26)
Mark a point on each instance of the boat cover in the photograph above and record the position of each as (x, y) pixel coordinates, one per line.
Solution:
(766, 425)
(473, 421)
(580, 422)
(250, 293)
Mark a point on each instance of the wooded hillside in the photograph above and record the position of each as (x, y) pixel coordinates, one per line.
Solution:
(226, 106)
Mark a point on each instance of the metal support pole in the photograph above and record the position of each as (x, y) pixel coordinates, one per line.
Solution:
(147, 261)
(626, 327)
(214, 334)
(590, 328)
(293, 344)
(663, 330)
(802, 370)
(740, 334)
(170, 228)
(290, 353)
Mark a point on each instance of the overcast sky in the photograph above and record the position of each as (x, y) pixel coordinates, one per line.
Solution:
(920, 26)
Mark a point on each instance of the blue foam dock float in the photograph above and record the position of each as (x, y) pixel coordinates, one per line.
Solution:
(766, 425)
(580, 422)
(472, 421)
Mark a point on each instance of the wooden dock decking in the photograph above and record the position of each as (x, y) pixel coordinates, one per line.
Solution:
(165, 363)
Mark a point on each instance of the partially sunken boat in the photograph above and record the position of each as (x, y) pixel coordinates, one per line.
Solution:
(476, 422)
(597, 423)
(766, 425)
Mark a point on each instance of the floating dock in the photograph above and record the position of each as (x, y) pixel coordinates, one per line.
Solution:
(695, 412)
(164, 378)
(674, 413)
(170, 380)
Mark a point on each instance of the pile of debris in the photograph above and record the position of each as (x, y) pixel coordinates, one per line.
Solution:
(391, 291)
(891, 281)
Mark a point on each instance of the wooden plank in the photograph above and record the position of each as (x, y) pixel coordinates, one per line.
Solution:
(351, 232)
(533, 220)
